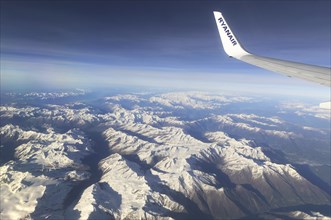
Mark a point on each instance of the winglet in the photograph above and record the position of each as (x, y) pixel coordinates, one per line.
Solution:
(229, 41)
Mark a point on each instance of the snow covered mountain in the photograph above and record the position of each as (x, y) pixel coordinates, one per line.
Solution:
(164, 156)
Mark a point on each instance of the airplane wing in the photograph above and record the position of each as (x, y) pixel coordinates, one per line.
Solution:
(232, 47)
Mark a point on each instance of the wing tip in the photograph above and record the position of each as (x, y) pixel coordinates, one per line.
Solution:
(229, 41)
(217, 13)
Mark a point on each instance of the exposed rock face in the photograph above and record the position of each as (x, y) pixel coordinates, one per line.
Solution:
(168, 156)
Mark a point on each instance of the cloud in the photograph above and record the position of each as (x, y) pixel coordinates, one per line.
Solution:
(303, 109)
(61, 69)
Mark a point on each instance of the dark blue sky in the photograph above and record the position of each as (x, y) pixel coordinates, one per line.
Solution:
(71, 41)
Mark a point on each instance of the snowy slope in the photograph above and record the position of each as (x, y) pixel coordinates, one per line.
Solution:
(163, 156)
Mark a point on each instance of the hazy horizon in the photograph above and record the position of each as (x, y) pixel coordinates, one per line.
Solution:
(61, 45)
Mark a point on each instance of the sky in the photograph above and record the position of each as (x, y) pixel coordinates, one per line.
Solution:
(168, 44)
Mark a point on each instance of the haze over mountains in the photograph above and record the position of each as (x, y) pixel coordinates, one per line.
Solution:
(180, 155)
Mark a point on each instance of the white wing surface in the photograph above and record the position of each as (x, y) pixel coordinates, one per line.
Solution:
(232, 47)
